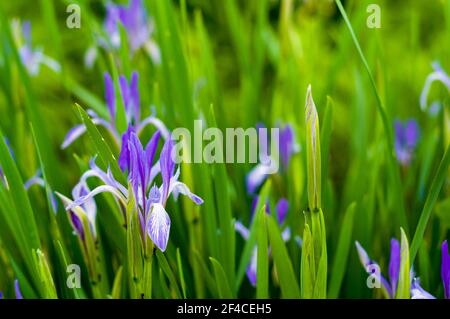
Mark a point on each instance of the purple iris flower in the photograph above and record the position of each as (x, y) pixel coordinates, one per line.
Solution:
(438, 74)
(138, 26)
(281, 213)
(445, 269)
(390, 286)
(31, 58)
(406, 138)
(150, 199)
(287, 147)
(129, 93)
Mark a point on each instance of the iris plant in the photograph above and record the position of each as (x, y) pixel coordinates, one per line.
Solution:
(150, 199)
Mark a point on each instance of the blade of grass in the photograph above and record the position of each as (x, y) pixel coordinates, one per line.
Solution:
(341, 254)
(288, 282)
(251, 240)
(221, 280)
(432, 196)
(262, 269)
(392, 165)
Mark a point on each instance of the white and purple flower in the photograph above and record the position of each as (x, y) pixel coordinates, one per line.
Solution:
(150, 199)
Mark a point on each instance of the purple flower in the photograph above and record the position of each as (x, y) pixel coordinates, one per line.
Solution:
(138, 28)
(130, 96)
(406, 138)
(150, 199)
(437, 75)
(445, 269)
(390, 286)
(287, 147)
(17, 290)
(31, 58)
(281, 212)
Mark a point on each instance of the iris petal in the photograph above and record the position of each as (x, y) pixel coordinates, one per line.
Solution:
(159, 226)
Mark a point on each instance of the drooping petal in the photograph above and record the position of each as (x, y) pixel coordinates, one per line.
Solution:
(445, 269)
(417, 292)
(437, 75)
(73, 134)
(35, 180)
(17, 289)
(79, 191)
(167, 167)
(394, 264)
(110, 96)
(98, 190)
(159, 226)
(181, 188)
(281, 210)
(160, 126)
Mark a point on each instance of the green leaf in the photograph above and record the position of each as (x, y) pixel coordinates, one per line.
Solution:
(307, 270)
(162, 261)
(262, 270)
(19, 197)
(433, 194)
(117, 286)
(341, 255)
(221, 280)
(392, 164)
(283, 264)
(251, 240)
(106, 156)
(180, 272)
(404, 280)
(48, 290)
